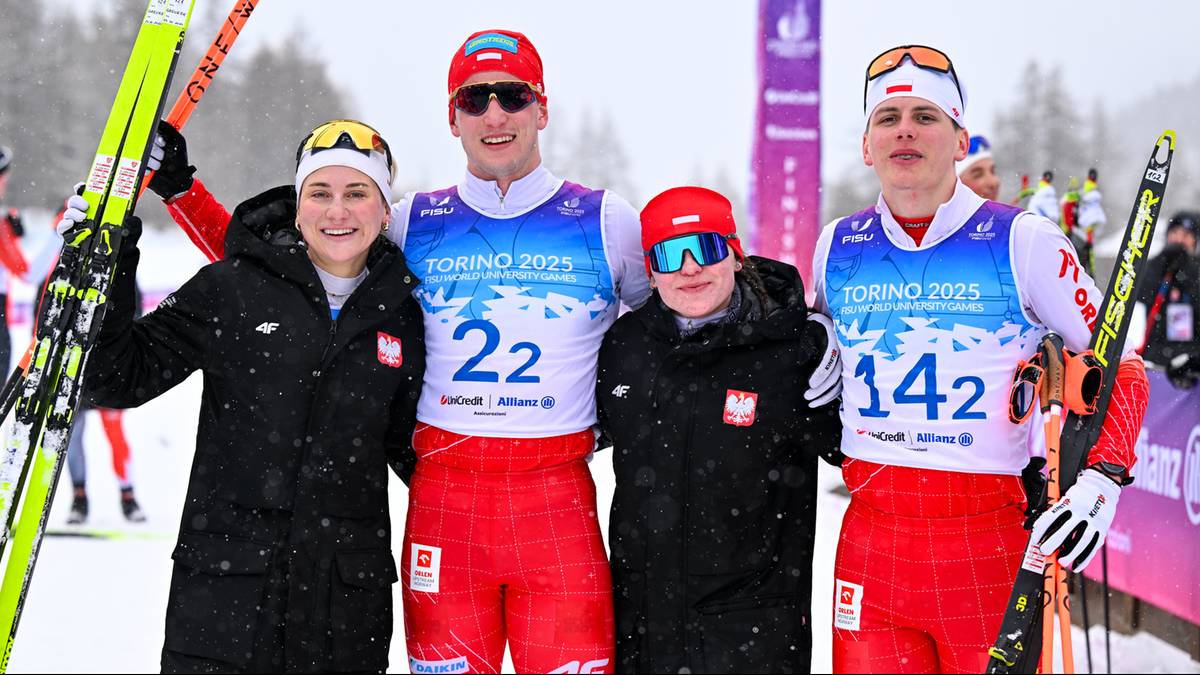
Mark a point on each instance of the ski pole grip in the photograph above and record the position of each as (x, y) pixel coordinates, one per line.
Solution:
(1052, 359)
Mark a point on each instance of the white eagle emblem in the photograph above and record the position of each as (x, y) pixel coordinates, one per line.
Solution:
(391, 352)
(740, 407)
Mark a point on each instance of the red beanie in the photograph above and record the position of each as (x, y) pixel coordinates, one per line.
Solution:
(503, 50)
(688, 210)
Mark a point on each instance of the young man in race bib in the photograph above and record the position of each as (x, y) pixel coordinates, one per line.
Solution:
(521, 274)
(936, 295)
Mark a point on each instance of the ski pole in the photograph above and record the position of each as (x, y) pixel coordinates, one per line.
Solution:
(185, 104)
(1054, 577)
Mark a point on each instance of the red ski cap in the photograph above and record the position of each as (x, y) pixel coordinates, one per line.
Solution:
(688, 210)
(495, 49)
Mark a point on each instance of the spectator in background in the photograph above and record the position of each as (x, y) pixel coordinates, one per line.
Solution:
(978, 170)
(11, 259)
(1172, 298)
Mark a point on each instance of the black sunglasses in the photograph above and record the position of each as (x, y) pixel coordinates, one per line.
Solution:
(512, 95)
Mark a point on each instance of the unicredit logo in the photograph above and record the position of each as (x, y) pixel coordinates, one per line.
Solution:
(462, 400)
(886, 437)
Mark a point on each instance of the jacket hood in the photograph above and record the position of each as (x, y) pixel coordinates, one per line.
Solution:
(263, 228)
(781, 317)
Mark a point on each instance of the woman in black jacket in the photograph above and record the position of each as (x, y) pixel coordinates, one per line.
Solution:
(312, 353)
(702, 391)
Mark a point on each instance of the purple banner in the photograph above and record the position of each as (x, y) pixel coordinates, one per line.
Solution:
(1154, 543)
(785, 197)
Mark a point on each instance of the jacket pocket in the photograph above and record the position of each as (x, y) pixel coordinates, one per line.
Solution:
(361, 609)
(756, 635)
(216, 590)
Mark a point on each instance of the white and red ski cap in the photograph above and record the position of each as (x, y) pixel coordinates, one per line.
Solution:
(911, 80)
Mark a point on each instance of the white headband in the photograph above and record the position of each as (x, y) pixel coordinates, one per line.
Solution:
(910, 80)
(374, 165)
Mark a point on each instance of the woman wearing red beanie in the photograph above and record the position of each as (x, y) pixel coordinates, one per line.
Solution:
(715, 439)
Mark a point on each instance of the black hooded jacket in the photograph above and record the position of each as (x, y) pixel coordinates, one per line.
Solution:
(284, 556)
(1172, 279)
(714, 512)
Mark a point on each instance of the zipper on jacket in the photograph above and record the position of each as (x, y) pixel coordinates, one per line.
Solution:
(687, 490)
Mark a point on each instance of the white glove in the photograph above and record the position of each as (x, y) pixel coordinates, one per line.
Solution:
(75, 213)
(1044, 202)
(154, 162)
(1087, 508)
(825, 384)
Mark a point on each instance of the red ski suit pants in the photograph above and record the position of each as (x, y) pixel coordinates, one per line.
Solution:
(925, 564)
(502, 545)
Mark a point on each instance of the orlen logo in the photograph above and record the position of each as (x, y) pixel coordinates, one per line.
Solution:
(847, 595)
(462, 400)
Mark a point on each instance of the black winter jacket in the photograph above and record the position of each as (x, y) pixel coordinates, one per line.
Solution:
(714, 512)
(284, 556)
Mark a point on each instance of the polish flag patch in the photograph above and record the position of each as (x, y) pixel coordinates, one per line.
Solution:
(899, 87)
(740, 407)
(391, 351)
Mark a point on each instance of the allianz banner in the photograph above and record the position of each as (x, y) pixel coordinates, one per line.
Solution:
(785, 197)
(1154, 543)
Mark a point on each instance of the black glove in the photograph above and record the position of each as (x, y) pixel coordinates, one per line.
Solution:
(131, 231)
(15, 223)
(174, 174)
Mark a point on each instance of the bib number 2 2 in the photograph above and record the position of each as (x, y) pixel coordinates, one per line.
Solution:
(469, 372)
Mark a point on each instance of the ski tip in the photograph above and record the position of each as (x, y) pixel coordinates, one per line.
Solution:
(1169, 136)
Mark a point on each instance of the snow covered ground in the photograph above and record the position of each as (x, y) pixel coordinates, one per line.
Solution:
(97, 605)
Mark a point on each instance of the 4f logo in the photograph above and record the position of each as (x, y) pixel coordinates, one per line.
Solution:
(585, 668)
(620, 390)
(267, 327)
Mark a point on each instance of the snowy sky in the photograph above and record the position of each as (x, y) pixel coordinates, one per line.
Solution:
(678, 76)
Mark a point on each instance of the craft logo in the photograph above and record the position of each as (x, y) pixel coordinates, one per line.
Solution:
(391, 350)
(847, 613)
(426, 564)
(740, 407)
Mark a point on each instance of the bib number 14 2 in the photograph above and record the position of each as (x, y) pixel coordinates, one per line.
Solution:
(925, 369)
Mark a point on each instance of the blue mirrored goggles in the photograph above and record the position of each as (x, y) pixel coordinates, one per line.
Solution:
(707, 248)
(978, 143)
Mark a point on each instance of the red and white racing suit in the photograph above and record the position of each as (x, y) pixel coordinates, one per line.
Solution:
(933, 537)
